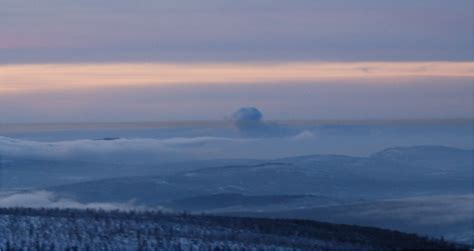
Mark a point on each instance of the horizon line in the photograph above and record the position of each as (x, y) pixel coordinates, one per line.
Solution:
(224, 121)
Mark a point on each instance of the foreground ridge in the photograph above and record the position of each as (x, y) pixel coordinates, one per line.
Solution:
(96, 229)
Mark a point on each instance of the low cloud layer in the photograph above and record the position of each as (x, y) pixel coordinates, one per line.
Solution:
(117, 150)
(44, 199)
(260, 140)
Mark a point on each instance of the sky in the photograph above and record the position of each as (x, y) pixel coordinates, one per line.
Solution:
(144, 60)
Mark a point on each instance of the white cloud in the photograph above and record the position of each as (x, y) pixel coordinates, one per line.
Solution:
(304, 135)
(44, 199)
(140, 149)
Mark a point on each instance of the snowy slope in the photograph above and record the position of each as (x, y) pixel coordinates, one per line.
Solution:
(54, 229)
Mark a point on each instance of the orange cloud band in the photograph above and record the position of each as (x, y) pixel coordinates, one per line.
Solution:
(38, 77)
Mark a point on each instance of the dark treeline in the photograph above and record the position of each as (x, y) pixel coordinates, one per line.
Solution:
(95, 229)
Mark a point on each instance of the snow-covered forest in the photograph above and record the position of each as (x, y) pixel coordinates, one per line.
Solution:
(73, 229)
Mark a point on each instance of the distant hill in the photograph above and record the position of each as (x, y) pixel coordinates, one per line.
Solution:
(392, 173)
(449, 216)
(235, 201)
(68, 229)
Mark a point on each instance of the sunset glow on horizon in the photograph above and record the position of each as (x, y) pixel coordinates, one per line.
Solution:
(49, 77)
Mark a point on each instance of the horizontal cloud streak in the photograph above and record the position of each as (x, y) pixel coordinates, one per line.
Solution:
(50, 77)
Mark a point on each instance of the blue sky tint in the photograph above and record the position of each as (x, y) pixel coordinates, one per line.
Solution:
(210, 30)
